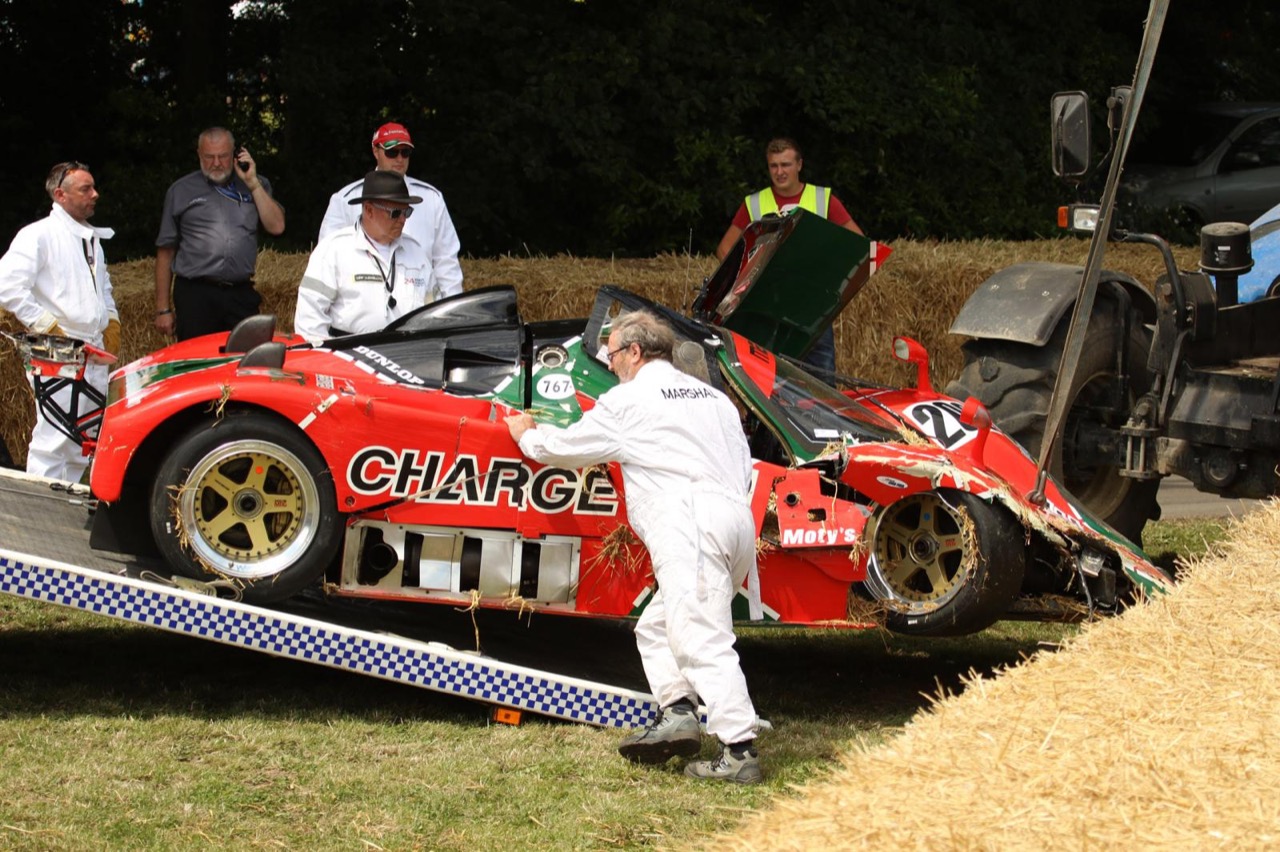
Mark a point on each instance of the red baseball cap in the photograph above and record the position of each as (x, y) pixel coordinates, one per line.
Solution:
(390, 135)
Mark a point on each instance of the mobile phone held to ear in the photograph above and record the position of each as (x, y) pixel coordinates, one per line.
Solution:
(243, 166)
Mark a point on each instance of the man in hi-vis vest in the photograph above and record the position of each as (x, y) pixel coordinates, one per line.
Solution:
(786, 192)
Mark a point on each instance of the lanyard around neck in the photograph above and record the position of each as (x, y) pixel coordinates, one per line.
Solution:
(88, 258)
(230, 191)
(387, 281)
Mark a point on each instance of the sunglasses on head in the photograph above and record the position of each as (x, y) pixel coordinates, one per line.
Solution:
(61, 171)
(398, 151)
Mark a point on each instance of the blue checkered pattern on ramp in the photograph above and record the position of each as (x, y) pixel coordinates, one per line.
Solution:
(404, 660)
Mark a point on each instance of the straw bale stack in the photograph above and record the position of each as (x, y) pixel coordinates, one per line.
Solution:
(917, 293)
(1153, 730)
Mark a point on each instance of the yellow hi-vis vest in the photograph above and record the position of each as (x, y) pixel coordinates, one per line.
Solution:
(812, 198)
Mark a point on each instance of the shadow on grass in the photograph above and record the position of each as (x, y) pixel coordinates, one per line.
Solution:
(81, 664)
(66, 662)
(872, 677)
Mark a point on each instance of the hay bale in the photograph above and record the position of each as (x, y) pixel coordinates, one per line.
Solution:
(1153, 730)
(17, 405)
(918, 293)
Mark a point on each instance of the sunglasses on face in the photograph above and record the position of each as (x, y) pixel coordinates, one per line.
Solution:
(400, 151)
(394, 213)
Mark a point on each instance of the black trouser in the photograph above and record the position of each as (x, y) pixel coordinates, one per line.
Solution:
(205, 305)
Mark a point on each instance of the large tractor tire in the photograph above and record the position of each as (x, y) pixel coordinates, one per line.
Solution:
(246, 498)
(944, 563)
(1015, 382)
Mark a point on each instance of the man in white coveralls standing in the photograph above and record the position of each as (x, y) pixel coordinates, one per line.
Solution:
(54, 279)
(359, 279)
(687, 473)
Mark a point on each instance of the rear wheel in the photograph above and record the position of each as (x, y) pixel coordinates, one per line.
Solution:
(1015, 382)
(246, 498)
(944, 563)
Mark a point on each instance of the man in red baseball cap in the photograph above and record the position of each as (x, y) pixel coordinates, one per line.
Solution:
(430, 226)
(392, 147)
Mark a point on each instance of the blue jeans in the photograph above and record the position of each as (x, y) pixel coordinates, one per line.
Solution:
(823, 354)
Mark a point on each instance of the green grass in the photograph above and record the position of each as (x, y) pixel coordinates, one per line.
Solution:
(116, 736)
(1170, 542)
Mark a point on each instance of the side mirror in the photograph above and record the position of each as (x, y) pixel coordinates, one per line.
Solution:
(1243, 160)
(1069, 119)
(906, 349)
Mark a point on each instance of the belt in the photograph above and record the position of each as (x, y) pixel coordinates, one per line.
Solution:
(215, 282)
(338, 332)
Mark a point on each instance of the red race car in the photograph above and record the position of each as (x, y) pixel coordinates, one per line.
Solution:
(380, 464)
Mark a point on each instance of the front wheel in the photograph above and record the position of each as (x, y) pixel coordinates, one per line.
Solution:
(249, 499)
(944, 563)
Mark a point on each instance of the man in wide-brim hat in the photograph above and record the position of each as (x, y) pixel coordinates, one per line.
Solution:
(362, 277)
(432, 227)
(384, 186)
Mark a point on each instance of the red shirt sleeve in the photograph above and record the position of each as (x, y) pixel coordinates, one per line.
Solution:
(836, 214)
(742, 219)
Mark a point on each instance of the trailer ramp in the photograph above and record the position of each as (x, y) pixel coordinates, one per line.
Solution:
(45, 556)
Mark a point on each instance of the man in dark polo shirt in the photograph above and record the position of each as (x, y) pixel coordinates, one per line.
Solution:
(208, 242)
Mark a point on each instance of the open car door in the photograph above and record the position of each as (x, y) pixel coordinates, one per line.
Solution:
(786, 279)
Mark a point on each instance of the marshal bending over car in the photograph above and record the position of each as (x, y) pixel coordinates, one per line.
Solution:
(380, 464)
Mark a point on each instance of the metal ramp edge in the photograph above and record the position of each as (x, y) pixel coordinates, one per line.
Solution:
(439, 668)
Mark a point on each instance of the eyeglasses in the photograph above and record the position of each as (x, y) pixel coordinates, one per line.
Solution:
(394, 213)
(398, 151)
(61, 171)
(613, 352)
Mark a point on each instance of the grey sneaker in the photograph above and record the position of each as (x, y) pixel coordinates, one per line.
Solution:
(728, 767)
(673, 732)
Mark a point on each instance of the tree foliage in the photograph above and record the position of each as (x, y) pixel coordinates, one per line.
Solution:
(595, 126)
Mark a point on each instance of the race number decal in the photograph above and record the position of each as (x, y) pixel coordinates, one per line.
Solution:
(941, 422)
(555, 386)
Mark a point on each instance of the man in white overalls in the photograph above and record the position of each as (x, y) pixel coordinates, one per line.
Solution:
(686, 470)
(54, 279)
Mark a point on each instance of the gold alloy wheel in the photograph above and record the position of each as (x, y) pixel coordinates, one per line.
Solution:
(920, 551)
(249, 509)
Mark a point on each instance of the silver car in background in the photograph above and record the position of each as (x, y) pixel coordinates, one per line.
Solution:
(1216, 162)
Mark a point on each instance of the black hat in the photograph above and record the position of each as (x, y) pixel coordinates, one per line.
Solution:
(385, 186)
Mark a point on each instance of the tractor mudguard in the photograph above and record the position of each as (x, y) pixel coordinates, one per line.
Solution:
(1025, 302)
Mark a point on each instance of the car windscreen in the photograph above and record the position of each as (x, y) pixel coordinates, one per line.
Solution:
(810, 414)
(1182, 139)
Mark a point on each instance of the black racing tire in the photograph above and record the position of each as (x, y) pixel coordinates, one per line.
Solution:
(1015, 382)
(246, 498)
(944, 563)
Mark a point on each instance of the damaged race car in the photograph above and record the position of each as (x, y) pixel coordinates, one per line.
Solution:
(379, 464)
